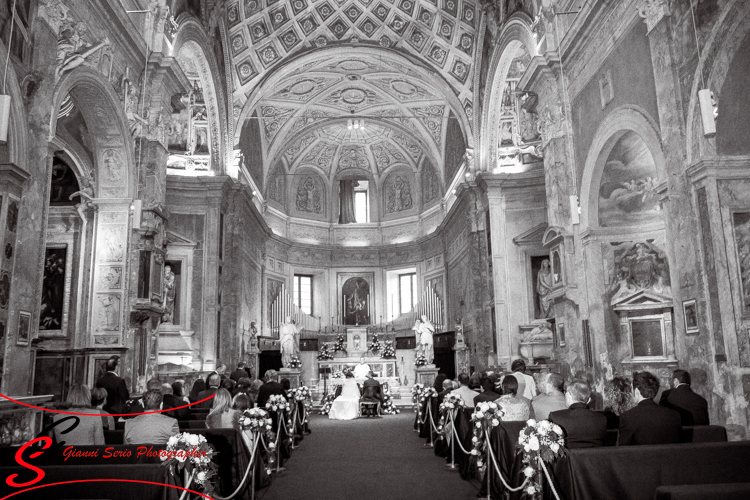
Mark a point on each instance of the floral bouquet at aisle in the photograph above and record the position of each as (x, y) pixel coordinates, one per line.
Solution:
(277, 402)
(541, 442)
(451, 402)
(193, 454)
(388, 407)
(324, 354)
(421, 360)
(487, 415)
(340, 344)
(303, 395)
(295, 362)
(416, 392)
(258, 420)
(375, 345)
(388, 351)
(327, 402)
(428, 392)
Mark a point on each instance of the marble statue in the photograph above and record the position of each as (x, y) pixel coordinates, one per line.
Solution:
(72, 49)
(541, 333)
(424, 330)
(543, 289)
(169, 295)
(289, 341)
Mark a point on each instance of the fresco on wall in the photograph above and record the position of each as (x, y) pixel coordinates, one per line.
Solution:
(53, 289)
(398, 194)
(741, 222)
(309, 196)
(627, 195)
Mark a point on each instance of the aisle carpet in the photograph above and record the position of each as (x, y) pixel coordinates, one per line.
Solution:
(366, 459)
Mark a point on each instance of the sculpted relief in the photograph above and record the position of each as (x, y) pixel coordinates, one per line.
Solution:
(637, 267)
(309, 196)
(398, 194)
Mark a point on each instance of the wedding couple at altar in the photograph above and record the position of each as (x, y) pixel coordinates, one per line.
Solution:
(346, 406)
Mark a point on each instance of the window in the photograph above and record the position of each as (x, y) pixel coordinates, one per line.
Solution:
(303, 293)
(407, 291)
(361, 202)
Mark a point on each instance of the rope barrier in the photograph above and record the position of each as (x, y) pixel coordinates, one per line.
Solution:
(432, 420)
(250, 466)
(497, 469)
(549, 479)
(187, 485)
(457, 437)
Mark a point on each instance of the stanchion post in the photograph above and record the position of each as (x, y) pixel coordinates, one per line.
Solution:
(430, 424)
(452, 465)
(486, 463)
(279, 469)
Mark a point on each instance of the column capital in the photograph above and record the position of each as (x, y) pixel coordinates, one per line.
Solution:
(653, 11)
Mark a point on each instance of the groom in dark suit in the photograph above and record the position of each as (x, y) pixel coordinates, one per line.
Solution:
(371, 389)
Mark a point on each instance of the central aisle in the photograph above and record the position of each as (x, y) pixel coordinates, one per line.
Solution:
(366, 459)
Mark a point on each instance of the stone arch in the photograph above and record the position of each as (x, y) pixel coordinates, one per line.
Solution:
(719, 50)
(516, 34)
(192, 42)
(621, 121)
(113, 150)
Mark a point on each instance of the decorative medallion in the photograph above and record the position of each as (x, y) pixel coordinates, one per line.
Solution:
(466, 43)
(353, 157)
(385, 42)
(252, 7)
(258, 30)
(368, 27)
(437, 54)
(325, 10)
(12, 219)
(407, 6)
(468, 15)
(338, 27)
(238, 44)
(451, 7)
(268, 54)
(233, 14)
(446, 29)
(298, 6)
(426, 17)
(460, 70)
(4, 290)
(417, 39)
(279, 17)
(246, 71)
(321, 41)
(289, 39)
(398, 25)
(308, 24)
(353, 12)
(381, 11)
(303, 89)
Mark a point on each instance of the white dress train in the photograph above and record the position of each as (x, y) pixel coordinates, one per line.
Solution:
(346, 406)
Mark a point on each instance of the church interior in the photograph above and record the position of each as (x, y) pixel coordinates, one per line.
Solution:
(559, 181)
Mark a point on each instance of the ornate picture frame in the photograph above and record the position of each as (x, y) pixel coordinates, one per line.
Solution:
(23, 336)
(690, 316)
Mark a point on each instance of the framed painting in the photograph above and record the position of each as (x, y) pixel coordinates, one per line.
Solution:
(56, 283)
(24, 328)
(690, 313)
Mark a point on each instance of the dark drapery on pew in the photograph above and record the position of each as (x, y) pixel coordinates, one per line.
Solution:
(635, 472)
(504, 439)
(688, 434)
(731, 491)
(100, 489)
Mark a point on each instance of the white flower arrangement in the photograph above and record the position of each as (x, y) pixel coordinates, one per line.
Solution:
(191, 452)
(451, 402)
(388, 407)
(302, 394)
(277, 403)
(428, 392)
(487, 414)
(540, 442)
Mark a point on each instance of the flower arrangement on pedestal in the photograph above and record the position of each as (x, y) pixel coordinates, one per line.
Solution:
(487, 415)
(541, 442)
(295, 362)
(388, 351)
(324, 354)
(327, 402)
(258, 420)
(375, 345)
(193, 454)
(388, 407)
(340, 344)
(421, 360)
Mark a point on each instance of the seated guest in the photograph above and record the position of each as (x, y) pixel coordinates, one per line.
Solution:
(618, 398)
(647, 422)
(270, 387)
(135, 405)
(371, 389)
(151, 428)
(583, 428)
(178, 389)
(243, 386)
(198, 387)
(169, 400)
(487, 383)
(241, 402)
(475, 381)
(287, 385)
(438, 383)
(526, 383)
(447, 387)
(222, 415)
(89, 430)
(98, 399)
(214, 380)
(692, 407)
(240, 372)
(254, 390)
(552, 397)
(466, 394)
(516, 408)
(220, 369)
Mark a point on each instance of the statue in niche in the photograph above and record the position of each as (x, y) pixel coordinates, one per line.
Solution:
(399, 195)
(308, 197)
(543, 289)
(72, 49)
(424, 331)
(169, 295)
(109, 317)
(289, 341)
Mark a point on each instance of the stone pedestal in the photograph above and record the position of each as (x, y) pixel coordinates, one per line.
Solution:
(531, 350)
(293, 374)
(425, 375)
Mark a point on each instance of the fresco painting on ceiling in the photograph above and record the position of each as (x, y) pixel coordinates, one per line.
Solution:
(626, 195)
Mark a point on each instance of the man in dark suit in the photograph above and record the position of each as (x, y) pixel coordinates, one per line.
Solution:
(220, 369)
(447, 387)
(169, 400)
(269, 388)
(154, 428)
(240, 372)
(487, 383)
(693, 408)
(117, 391)
(213, 385)
(647, 422)
(583, 428)
(372, 391)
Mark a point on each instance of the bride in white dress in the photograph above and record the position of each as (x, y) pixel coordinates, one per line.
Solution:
(346, 406)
